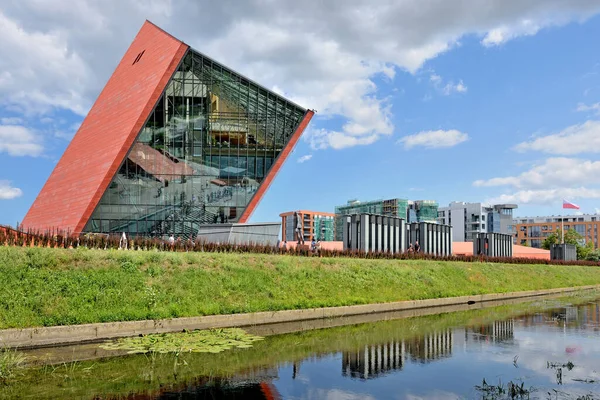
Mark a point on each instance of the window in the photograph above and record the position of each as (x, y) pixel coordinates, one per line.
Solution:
(482, 226)
(139, 57)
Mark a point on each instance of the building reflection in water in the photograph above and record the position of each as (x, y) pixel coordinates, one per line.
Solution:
(376, 360)
(255, 384)
(496, 332)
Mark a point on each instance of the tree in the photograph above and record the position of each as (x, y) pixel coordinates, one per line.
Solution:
(551, 240)
(571, 237)
(593, 255)
(583, 252)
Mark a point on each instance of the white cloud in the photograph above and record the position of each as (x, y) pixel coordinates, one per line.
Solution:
(11, 121)
(7, 192)
(28, 59)
(549, 182)
(592, 107)
(505, 33)
(322, 139)
(434, 139)
(57, 55)
(305, 158)
(448, 88)
(19, 141)
(454, 88)
(553, 172)
(581, 138)
(546, 196)
(435, 78)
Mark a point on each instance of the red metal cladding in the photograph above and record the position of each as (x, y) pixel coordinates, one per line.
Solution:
(89, 163)
(264, 186)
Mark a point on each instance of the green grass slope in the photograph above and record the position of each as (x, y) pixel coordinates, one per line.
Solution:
(45, 287)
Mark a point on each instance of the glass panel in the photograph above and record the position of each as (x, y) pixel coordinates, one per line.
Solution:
(206, 148)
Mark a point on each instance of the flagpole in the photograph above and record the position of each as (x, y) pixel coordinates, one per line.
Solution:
(562, 229)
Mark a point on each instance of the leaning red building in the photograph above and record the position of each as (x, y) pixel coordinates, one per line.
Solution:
(175, 141)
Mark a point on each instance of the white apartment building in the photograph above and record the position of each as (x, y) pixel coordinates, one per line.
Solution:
(469, 219)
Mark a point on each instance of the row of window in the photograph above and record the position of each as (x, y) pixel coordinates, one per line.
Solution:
(575, 219)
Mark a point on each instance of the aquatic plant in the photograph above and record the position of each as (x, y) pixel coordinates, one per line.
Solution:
(200, 341)
(10, 362)
(510, 391)
(553, 365)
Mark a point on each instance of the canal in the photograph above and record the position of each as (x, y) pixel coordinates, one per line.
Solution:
(543, 349)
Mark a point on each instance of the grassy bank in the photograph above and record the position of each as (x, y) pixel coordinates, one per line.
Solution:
(45, 287)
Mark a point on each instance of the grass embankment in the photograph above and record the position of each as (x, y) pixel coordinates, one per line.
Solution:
(45, 287)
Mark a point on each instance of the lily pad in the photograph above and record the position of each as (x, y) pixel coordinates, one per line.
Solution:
(201, 341)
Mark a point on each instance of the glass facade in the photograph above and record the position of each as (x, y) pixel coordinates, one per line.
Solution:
(323, 227)
(201, 156)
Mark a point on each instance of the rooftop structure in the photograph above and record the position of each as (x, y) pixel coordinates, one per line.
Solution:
(174, 141)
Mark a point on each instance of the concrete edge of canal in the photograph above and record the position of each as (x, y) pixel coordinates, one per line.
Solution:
(72, 334)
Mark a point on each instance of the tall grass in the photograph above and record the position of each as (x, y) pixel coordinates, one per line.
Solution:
(46, 287)
(10, 362)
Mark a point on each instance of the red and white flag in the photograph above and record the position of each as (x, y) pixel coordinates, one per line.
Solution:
(568, 204)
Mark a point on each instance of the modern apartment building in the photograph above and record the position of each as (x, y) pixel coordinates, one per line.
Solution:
(309, 224)
(410, 210)
(532, 231)
(469, 219)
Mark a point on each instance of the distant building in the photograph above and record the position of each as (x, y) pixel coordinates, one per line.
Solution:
(309, 224)
(469, 219)
(410, 210)
(531, 231)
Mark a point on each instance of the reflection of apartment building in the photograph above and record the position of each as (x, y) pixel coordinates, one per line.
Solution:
(431, 347)
(409, 210)
(376, 360)
(496, 332)
(308, 224)
(532, 231)
(373, 361)
(469, 219)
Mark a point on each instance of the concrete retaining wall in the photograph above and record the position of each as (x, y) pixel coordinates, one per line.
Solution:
(62, 335)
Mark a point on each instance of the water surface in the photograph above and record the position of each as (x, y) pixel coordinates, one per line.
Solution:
(551, 347)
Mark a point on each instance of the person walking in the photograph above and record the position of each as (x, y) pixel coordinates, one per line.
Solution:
(417, 247)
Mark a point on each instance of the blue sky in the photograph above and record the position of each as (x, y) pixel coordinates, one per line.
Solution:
(485, 108)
